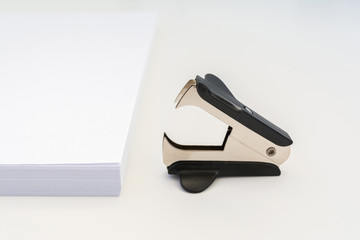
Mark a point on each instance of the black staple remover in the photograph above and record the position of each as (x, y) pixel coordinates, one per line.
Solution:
(253, 146)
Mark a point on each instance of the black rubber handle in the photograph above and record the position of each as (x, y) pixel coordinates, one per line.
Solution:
(215, 92)
(196, 176)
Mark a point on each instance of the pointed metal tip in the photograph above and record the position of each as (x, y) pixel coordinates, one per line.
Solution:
(183, 91)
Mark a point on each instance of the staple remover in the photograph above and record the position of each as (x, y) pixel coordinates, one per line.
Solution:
(252, 146)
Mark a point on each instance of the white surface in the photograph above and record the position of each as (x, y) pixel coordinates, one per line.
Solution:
(191, 125)
(296, 63)
(68, 85)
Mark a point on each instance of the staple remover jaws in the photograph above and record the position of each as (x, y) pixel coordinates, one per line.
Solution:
(252, 146)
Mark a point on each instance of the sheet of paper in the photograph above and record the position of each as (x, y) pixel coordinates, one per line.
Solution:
(68, 85)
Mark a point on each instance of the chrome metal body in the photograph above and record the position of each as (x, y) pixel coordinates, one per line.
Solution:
(242, 144)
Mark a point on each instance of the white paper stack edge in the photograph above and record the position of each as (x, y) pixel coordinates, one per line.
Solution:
(68, 91)
(60, 179)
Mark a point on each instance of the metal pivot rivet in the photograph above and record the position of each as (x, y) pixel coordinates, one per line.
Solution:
(271, 151)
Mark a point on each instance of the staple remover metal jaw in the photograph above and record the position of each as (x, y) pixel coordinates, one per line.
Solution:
(253, 146)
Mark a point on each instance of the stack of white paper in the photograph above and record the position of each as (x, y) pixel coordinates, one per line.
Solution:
(68, 88)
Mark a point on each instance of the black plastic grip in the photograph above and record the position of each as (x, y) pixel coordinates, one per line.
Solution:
(215, 92)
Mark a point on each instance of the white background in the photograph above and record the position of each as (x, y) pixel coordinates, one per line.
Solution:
(296, 63)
